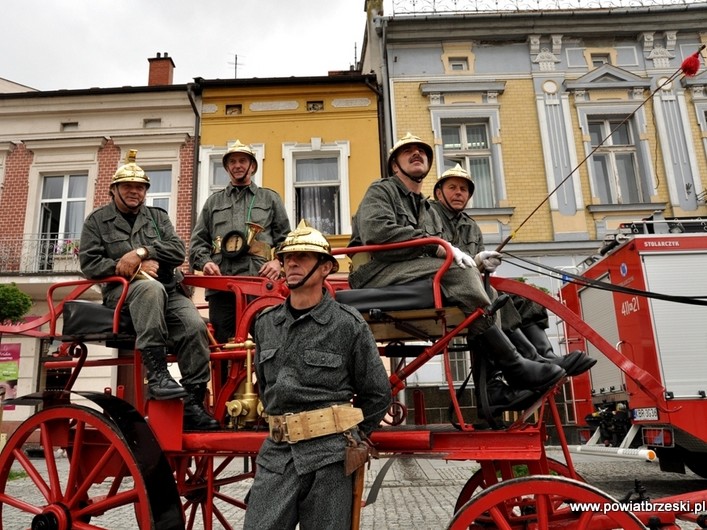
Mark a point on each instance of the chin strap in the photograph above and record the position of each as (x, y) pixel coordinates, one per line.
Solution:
(300, 283)
(415, 179)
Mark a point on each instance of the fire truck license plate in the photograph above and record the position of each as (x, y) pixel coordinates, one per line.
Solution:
(647, 414)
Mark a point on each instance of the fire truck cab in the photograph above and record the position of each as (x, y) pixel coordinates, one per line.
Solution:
(666, 338)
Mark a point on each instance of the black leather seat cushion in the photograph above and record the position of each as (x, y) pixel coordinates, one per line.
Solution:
(413, 295)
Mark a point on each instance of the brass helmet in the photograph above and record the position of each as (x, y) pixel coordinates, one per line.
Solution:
(458, 172)
(238, 147)
(405, 140)
(130, 172)
(305, 238)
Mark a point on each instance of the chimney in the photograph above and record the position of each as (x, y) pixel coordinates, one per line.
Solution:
(161, 70)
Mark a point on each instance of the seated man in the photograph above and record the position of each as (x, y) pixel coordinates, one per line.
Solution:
(130, 239)
(394, 210)
(452, 191)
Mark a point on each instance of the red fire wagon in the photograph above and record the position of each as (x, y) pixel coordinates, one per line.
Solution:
(664, 333)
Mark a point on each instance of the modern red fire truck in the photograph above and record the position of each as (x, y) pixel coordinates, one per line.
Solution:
(664, 333)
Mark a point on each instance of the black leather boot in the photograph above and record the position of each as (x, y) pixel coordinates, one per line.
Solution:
(574, 363)
(160, 384)
(520, 373)
(195, 416)
(499, 396)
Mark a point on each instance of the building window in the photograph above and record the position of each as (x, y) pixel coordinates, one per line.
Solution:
(458, 64)
(316, 185)
(600, 59)
(152, 123)
(219, 176)
(160, 188)
(614, 162)
(317, 193)
(468, 144)
(62, 212)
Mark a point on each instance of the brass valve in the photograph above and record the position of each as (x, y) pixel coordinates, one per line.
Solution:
(246, 406)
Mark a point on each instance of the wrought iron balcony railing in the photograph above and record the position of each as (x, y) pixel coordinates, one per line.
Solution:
(44, 254)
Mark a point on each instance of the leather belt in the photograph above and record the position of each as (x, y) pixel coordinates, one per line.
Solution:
(296, 427)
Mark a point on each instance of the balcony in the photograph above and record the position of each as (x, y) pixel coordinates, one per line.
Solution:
(36, 261)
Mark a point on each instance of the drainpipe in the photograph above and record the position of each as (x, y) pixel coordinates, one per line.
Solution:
(197, 143)
(387, 120)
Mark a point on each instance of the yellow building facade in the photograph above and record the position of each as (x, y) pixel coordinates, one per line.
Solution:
(315, 138)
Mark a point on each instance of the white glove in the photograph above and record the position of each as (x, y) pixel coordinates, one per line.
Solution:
(462, 259)
(488, 260)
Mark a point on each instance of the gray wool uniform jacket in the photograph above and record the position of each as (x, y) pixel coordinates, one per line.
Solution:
(230, 209)
(323, 358)
(107, 236)
(389, 213)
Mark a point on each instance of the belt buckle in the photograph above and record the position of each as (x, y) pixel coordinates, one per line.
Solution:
(278, 431)
(287, 431)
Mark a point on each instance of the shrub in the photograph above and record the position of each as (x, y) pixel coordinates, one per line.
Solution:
(14, 304)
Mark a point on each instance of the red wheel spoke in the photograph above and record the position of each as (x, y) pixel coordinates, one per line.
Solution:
(88, 481)
(222, 519)
(585, 521)
(54, 483)
(72, 480)
(32, 472)
(543, 507)
(19, 504)
(499, 517)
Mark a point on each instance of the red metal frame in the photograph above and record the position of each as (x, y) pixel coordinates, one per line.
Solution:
(199, 459)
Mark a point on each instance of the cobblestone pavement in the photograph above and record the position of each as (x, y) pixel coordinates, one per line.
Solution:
(421, 492)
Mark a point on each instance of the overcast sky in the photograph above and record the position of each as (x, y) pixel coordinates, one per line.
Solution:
(74, 44)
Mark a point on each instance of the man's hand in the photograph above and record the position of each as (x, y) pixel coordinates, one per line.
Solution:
(211, 269)
(128, 265)
(488, 260)
(462, 259)
(271, 269)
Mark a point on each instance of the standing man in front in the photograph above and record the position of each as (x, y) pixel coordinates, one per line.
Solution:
(236, 232)
(313, 357)
(128, 238)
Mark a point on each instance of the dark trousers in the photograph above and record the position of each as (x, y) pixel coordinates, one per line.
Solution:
(222, 315)
(320, 500)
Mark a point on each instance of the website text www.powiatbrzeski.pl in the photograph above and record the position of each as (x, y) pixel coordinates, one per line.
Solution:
(640, 506)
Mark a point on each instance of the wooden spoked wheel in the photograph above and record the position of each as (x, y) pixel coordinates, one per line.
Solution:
(209, 498)
(477, 482)
(98, 485)
(542, 502)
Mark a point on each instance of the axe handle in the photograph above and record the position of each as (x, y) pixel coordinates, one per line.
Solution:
(359, 477)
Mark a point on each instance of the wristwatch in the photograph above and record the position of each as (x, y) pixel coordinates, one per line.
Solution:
(141, 252)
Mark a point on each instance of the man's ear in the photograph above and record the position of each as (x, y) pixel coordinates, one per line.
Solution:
(327, 267)
(438, 193)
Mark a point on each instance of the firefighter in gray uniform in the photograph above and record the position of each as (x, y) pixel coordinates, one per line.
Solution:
(127, 238)
(394, 209)
(313, 355)
(236, 232)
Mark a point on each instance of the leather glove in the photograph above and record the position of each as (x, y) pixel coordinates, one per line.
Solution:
(488, 260)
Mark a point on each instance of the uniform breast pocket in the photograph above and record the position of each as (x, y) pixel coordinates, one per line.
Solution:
(260, 215)
(321, 366)
(117, 243)
(266, 362)
(222, 222)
